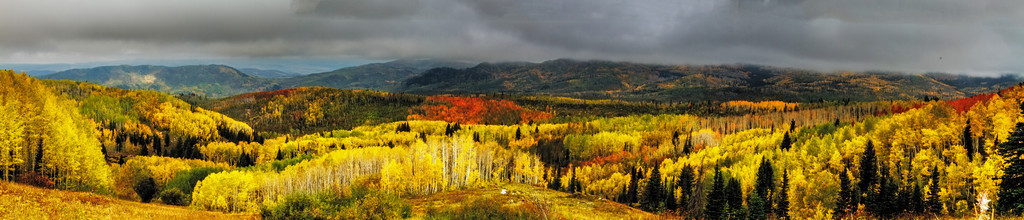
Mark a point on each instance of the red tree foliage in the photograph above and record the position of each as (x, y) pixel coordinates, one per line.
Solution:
(964, 104)
(469, 110)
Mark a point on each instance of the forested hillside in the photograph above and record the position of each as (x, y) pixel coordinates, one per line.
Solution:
(331, 153)
(648, 82)
(206, 80)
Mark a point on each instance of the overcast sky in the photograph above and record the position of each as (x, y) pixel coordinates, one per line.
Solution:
(974, 37)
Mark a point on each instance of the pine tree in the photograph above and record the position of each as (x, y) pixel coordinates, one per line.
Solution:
(688, 146)
(1011, 193)
(845, 196)
(556, 182)
(734, 197)
(786, 142)
(933, 192)
(758, 207)
(670, 199)
(685, 184)
(631, 190)
(280, 156)
(653, 191)
(782, 206)
(716, 198)
(765, 180)
(868, 168)
(917, 199)
(574, 185)
(519, 133)
(39, 154)
(967, 141)
(884, 202)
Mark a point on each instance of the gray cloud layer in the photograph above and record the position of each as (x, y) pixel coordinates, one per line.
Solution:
(979, 37)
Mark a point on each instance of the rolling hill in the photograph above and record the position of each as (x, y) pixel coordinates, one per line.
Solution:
(376, 76)
(207, 80)
(631, 81)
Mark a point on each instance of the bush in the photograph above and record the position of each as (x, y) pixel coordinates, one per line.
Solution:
(185, 181)
(145, 188)
(356, 203)
(35, 179)
(173, 196)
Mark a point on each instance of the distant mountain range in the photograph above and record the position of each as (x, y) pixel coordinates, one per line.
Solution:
(563, 77)
(207, 80)
(631, 81)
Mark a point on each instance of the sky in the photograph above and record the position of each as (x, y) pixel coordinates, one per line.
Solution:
(977, 37)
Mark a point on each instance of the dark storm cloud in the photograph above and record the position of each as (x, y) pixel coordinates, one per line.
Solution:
(908, 35)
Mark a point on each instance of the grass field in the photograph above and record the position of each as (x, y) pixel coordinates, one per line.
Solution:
(558, 205)
(19, 201)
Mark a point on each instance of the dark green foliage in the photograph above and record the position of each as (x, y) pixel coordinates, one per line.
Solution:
(765, 184)
(280, 156)
(786, 142)
(556, 182)
(716, 205)
(868, 168)
(1011, 189)
(759, 208)
(782, 206)
(519, 133)
(653, 192)
(688, 146)
(356, 203)
(145, 188)
(884, 202)
(244, 160)
(671, 203)
(403, 127)
(934, 206)
(845, 203)
(185, 181)
(734, 198)
(685, 183)
(173, 196)
(631, 192)
(917, 200)
(574, 185)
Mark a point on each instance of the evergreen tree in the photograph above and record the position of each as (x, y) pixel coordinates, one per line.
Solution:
(868, 168)
(157, 145)
(519, 133)
(39, 154)
(632, 189)
(145, 188)
(556, 182)
(786, 142)
(685, 184)
(574, 185)
(688, 146)
(653, 191)
(845, 201)
(883, 202)
(734, 197)
(670, 199)
(967, 141)
(1011, 193)
(758, 207)
(280, 156)
(765, 180)
(933, 192)
(917, 200)
(244, 160)
(782, 206)
(716, 205)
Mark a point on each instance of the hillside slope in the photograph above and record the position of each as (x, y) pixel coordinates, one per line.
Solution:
(19, 201)
(375, 76)
(208, 80)
(631, 81)
(554, 204)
